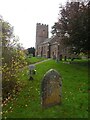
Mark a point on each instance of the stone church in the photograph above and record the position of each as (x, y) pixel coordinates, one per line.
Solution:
(48, 47)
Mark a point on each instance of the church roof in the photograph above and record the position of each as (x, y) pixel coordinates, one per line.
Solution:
(46, 41)
(51, 40)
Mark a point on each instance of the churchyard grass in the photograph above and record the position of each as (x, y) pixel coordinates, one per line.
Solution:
(32, 60)
(27, 103)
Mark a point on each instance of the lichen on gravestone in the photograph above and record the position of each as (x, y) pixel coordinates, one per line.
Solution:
(51, 88)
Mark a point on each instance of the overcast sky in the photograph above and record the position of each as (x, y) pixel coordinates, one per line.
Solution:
(24, 14)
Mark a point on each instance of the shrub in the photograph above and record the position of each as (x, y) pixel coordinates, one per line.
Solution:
(13, 59)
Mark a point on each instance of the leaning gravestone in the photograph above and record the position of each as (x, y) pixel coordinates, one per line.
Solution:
(51, 89)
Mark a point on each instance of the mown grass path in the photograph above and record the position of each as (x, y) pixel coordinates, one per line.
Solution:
(27, 103)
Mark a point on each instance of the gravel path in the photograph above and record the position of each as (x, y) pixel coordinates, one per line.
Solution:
(35, 64)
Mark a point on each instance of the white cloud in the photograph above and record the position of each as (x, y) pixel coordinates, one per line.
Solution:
(24, 14)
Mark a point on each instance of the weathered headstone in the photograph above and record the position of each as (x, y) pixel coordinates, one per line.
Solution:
(32, 71)
(51, 88)
(31, 67)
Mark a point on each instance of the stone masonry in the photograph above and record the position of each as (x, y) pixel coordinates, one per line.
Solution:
(48, 47)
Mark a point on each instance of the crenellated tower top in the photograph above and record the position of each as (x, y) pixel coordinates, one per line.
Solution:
(41, 33)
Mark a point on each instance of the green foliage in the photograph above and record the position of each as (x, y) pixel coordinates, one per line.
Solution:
(31, 51)
(72, 26)
(32, 60)
(13, 59)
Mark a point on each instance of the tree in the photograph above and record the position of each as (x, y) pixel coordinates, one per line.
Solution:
(12, 58)
(72, 26)
(31, 51)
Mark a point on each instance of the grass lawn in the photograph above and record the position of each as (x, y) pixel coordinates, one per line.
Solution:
(33, 60)
(27, 103)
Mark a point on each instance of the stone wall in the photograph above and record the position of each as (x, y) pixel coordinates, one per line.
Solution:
(41, 33)
(49, 47)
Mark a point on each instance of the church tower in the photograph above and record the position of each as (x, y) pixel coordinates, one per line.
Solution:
(41, 34)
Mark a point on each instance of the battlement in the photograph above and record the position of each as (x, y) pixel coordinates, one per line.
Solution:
(41, 24)
(41, 33)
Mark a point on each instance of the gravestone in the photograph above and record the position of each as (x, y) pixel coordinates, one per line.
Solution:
(32, 71)
(51, 89)
(31, 67)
